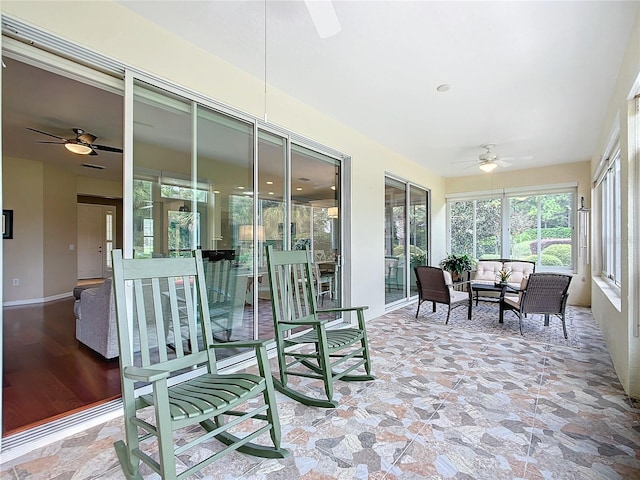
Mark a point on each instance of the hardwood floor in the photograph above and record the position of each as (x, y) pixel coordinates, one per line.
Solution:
(47, 373)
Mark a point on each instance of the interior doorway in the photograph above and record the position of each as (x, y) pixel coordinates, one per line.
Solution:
(96, 232)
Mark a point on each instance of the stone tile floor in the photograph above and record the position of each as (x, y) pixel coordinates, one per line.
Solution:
(448, 402)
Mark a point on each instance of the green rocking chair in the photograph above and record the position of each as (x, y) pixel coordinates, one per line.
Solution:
(302, 338)
(151, 294)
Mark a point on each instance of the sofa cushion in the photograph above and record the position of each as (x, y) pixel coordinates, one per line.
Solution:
(487, 271)
(519, 270)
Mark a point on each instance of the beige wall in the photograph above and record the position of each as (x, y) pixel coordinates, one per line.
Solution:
(44, 203)
(145, 46)
(580, 288)
(98, 188)
(618, 313)
(22, 183)
(60, 264)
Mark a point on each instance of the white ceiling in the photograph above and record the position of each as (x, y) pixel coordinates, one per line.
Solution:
(535, 78)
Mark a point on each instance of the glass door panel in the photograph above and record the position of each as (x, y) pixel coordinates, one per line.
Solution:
(162, 149)
(394, 241)
(272, 217)
(418, 233)
(315, 219)
(224, 182)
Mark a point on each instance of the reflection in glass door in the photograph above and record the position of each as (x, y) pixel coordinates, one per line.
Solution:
(194, 188)
(315, 219)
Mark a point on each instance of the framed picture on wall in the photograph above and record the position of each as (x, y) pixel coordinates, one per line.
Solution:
(7, 223)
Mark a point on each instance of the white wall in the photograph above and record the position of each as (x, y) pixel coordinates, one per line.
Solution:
(124, 36)
(615, 313)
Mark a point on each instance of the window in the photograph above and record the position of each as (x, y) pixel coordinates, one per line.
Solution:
(475, 227)
(536, 225)
(608, 192)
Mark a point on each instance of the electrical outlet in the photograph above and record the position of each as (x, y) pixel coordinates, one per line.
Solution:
(16, 282)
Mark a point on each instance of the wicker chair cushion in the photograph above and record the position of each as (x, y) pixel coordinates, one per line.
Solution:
(448, 280)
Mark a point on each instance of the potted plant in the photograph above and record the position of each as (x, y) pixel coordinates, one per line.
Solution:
(457, 264)
(503, 276)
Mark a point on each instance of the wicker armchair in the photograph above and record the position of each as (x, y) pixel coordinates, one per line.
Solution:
(435, 285)
(543, 293)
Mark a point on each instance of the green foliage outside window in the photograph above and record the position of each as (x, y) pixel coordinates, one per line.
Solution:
(535, 223)
(561, 252)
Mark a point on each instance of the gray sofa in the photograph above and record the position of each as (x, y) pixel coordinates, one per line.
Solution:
(96, 320)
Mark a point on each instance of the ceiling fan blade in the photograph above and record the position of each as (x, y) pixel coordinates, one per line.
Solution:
(324, 17)
(106, 148)
(464, 162)
(87, 138)
(45, 133)
(93, 152)
(502, 163)
(54, 143)
(515, 159)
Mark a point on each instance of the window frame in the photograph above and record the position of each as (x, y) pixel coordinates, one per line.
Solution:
(504, 197)
(608, 192)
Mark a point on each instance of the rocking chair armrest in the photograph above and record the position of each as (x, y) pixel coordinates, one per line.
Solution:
(145, 374)
(343, 309)
(360, 311)
(304, 322)
(246, 343)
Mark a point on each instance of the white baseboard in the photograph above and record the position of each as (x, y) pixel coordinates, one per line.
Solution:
(31, 301)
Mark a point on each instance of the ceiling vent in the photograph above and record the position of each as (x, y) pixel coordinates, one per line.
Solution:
(91, 165)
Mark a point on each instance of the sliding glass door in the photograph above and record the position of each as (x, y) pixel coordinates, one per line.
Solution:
(406, 238)
(205, 179)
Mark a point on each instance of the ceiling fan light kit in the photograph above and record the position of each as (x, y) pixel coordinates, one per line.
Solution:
(78, 148)
(488, 166)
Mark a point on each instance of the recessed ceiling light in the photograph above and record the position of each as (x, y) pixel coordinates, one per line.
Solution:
(269, 182)
(333, 187)
(240, 188)
(216, 191)
(299, 189)
(445, 87)
(270, 193)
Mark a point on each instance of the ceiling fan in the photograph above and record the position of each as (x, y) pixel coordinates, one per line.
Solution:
(82, 144)
(488, 160)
